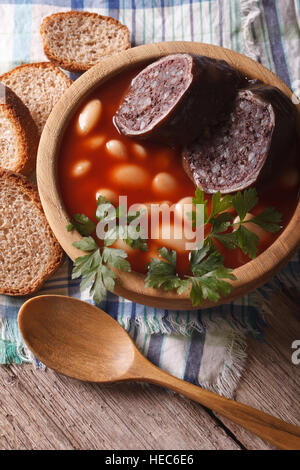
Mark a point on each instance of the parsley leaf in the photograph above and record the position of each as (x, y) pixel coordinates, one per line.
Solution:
(229, 240)
(244, 201)
(207, 280)
(240, 236)
(221, 222)
(247, 241)
(205, 264)
(198, 255)
(199, 199)
(162, 272)
(210, 286)
(268, 219)
(116, 258)
(86, 244)
(139, 244)
(82, 224)
(219, 204)
(94, 268)
(105, 210)
(209, 272)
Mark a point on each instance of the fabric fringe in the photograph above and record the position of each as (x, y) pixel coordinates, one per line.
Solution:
(12, 346)
(171, 325)
(234, 365)
(249, 12)
(200, 321)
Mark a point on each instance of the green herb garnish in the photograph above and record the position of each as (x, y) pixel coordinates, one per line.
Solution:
(207, 279)
(95, 267)
(82, 224)
(208, 275)
(236, 235)
(162, 272)
(206, 264)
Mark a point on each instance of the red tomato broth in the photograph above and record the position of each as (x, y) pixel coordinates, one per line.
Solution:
(79, 193)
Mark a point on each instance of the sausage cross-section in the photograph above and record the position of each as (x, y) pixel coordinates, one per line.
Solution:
(173, 98)
(255, 139)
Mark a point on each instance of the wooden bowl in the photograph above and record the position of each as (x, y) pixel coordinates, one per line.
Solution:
(131, 285)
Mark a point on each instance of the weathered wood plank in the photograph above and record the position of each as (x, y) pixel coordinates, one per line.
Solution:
(271, 382)
(46, 411)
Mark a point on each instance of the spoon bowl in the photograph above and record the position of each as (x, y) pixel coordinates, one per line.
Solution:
(76, 338)
(83, 342)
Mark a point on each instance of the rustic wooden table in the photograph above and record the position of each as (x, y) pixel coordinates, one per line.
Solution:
(43, 410)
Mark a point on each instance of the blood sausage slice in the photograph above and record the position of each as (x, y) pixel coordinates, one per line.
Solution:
(248, 146)
(174, 98)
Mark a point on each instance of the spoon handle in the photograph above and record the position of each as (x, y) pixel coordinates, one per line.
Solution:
(279, 433)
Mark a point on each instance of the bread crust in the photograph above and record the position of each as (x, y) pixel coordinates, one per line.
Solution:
(30, 190)
(27, 133)
(14, 75)
(38, 65)
(72, 65)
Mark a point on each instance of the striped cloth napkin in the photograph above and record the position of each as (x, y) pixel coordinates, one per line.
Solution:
(206, 347)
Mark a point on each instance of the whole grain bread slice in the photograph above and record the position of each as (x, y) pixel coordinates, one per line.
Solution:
(18, 134)
(39, 86)
(29, 252)
(77, 40)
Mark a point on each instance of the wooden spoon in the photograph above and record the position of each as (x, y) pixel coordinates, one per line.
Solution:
(83, 342)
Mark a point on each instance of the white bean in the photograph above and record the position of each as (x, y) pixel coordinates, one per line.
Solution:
(148, 205)
(139, 151)
(116, 149)
(164, 184)
(95, 142)
(81, 168)
(109, 194)
(173, 236)
(130, 176)
(89, 116)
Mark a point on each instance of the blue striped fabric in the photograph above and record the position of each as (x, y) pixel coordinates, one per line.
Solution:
(277, 44)
(205, 347)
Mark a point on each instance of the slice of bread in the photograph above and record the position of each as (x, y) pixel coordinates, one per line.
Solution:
(29, 252)
(18, 134)
(39, 86)
(77, 40)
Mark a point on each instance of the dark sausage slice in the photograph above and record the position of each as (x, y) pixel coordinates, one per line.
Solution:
(246, 148)
(173, 98)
